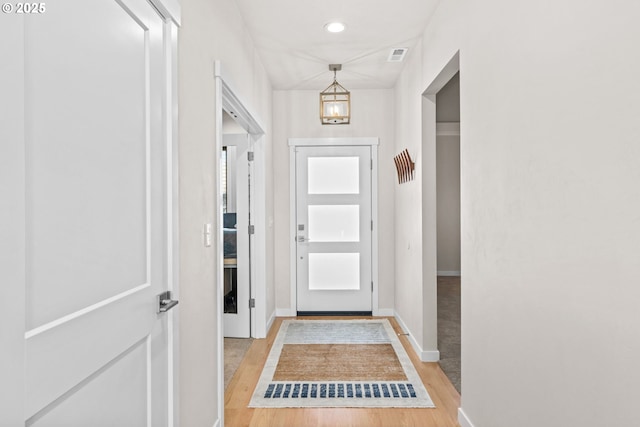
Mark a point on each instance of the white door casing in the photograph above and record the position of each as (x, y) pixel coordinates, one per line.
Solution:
(92, 221)
(334, 228)
(227, 100)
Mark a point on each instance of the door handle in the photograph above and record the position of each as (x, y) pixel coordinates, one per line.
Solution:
(165, 303)
(302, 239)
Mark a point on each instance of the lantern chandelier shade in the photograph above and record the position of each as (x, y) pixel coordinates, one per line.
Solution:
(335, 102)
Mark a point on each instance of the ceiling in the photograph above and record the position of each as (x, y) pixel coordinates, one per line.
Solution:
(296, 50)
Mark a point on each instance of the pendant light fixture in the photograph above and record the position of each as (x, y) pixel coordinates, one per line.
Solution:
(335, 102)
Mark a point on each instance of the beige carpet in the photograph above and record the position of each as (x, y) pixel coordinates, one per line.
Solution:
(234, 351)
(449, 328)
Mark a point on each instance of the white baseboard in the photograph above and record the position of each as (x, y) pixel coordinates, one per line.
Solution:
(425, 356)
(430, 356)
(286, 312)
(449, 273)
(406, 330)
(384, 312)
(272, 318)
(463, 420)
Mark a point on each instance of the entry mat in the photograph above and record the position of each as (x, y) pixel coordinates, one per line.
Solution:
(339, 363)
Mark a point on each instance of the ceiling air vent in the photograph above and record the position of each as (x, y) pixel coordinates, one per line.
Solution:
(397, 54)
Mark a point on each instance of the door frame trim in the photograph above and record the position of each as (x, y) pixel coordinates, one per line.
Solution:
(171, 15)
(226, 99)
(372, 142)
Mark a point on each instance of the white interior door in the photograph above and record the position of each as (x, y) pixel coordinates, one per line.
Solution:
(334, 229)
(237, 274)
(90, 180)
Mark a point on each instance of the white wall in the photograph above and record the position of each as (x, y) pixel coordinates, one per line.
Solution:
(448, 100)
(550, 202)
(211, 30)
(414, 302)
(448, 201)
(296, 115)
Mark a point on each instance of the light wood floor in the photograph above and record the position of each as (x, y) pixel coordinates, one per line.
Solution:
(238, 394)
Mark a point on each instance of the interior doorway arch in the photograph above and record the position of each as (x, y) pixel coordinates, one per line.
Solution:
(429, 207)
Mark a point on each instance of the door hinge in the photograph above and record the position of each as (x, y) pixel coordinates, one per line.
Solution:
(371, 225)
(252, 303)
(252, 229)
(372, 286)
(250, 156)
(371, 164)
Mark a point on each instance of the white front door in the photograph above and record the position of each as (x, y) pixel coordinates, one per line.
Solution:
(88, 232)
(334, 229)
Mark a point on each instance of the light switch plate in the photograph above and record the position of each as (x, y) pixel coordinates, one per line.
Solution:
(208, 230)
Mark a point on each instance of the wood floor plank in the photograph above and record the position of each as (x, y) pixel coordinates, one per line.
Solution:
(240, 389)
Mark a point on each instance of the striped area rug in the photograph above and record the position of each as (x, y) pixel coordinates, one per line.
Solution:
(339, 363)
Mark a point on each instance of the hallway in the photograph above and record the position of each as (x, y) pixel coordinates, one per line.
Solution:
(238, 394)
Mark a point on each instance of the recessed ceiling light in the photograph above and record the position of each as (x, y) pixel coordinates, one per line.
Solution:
(335, 27)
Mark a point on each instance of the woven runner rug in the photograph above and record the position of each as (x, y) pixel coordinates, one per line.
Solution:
(339, 363)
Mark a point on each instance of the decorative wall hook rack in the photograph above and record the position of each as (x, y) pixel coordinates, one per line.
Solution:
(405, 167)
